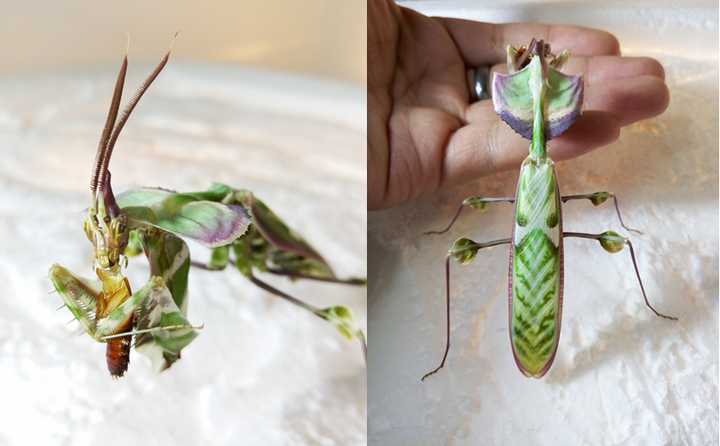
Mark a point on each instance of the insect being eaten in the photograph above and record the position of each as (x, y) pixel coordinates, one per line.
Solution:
(539, 102)
(239, 229)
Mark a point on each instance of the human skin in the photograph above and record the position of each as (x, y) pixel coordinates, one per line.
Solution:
(425, 135)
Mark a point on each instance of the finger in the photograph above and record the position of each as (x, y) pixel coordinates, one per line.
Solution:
(484, 147)
(602, 68)
(485, 43)
(629, 100)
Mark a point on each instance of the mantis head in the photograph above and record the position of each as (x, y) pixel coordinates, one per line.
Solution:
(106, 226)
(520, 57)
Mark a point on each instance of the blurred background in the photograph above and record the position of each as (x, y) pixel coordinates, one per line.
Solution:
(321, 38)
(257, 95)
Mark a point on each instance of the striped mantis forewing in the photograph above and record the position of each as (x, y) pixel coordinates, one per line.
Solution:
(536, 269)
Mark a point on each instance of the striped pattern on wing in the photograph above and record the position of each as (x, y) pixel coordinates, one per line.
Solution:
(536, 274)
(535, 304)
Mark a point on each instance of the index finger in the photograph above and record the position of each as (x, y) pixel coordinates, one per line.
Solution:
(485, 43)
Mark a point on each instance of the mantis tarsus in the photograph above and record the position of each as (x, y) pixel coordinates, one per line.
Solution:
(239, 229)
(539, 102)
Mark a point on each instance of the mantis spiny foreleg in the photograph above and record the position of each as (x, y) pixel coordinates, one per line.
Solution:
(598, 198)
(464, 251)
(613, 242)
(479, 203)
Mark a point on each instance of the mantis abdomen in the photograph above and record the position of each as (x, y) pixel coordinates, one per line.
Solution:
(117, 352)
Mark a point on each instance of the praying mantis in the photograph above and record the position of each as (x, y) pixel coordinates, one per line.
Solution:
(238, 227)
(539, 102)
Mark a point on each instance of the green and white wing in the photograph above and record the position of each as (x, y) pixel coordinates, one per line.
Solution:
(209, 223)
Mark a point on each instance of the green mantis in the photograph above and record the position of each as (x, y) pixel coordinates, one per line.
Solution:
(238, 227)
(539, 102)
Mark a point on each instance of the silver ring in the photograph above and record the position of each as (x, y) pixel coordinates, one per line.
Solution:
(479, 80)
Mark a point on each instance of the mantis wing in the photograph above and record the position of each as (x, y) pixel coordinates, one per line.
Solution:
(79, 295)
(513, 100)
(209, 223)
(291, 252)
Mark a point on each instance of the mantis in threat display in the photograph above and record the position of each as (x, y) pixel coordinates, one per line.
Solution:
(539, 102)
(239, 229)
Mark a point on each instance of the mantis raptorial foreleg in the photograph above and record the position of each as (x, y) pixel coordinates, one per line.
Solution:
(464, 251)
(598, 198)
(479, 203)
(613, 242)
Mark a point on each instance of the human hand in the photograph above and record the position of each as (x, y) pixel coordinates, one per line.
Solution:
(424, 134)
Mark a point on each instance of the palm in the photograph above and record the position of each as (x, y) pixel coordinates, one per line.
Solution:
(423, 134)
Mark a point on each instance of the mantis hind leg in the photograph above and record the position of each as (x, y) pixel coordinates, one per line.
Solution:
(613, 242)
(325, 314)
(479, 203)
(463, 250)
(598, 198)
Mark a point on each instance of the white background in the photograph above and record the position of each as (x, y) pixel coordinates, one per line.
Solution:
(622, 376)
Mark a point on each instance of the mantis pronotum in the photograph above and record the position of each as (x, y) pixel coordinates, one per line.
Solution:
(237, 226)
(538, 102)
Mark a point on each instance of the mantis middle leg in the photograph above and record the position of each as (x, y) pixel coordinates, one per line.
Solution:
(479, 203)
(613, 242)
(598, 198)
(463, 250)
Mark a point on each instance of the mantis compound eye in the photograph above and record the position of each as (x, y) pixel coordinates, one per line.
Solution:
(464, 250)
(612, 242)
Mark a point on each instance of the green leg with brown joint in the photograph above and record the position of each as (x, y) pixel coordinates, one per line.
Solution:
(464, 251)
(613, 242)
(479, 203)
(598, 198)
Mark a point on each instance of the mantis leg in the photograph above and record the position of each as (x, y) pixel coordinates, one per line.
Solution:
(612, 242)
(338, 316)
(272, 290)
(475, 203)
(294, 275)
(464, 250)
(598, 198)
(201, 265)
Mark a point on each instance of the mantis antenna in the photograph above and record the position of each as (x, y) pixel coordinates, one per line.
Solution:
(108, 140)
